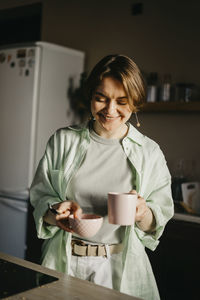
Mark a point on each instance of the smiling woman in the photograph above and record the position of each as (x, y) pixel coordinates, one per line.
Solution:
(115, 88)
(82, 164)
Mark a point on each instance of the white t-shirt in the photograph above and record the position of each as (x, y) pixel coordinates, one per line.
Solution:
(105, 169)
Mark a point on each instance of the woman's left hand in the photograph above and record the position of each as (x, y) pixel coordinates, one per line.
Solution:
(143, 216)
(141, 207)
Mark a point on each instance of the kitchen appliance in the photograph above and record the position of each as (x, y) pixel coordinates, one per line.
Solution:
(13, 223)
(34, 101)
(191, 195)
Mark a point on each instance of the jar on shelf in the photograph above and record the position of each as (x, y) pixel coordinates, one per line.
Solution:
(165, 89)
(152, 87)
(184, 92)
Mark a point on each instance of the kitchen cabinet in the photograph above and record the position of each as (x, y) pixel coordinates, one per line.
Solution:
(176, 261)
(163, 107)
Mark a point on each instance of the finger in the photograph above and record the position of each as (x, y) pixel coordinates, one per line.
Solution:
(133, 192)
(76, 210)
(64, 207)
(140, 200)
(141, 211)
(62, 216)
(78, 213)
(65, 212)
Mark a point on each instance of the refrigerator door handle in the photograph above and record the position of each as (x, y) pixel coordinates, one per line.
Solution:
(14, 194)
(14, 206)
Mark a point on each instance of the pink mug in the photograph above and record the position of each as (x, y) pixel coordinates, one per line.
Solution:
(121, 208)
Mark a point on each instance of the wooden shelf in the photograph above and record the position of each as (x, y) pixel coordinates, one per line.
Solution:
(171, 107)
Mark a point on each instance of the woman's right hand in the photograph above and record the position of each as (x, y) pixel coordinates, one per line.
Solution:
(64, 209)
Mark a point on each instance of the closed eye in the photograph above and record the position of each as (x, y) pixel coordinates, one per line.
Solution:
(100, 99)
(122, 102)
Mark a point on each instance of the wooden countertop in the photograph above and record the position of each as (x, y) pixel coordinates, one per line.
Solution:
(66, 287)
(182, 215)
(187, 217)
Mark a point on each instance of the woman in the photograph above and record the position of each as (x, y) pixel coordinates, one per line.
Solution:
(82, 164)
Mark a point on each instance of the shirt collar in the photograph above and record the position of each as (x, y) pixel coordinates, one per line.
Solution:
(80, 127)
(133, 134)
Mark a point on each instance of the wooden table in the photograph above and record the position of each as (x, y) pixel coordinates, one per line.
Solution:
(66, 287)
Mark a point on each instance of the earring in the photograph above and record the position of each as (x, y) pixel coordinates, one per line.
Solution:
(91, 118)
(136, 116)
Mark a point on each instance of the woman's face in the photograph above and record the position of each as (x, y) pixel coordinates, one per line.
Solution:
(110, 108)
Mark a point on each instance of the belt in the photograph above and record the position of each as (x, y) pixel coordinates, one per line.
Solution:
(79, 248)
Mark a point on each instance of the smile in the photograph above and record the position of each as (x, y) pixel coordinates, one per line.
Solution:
(110, 117)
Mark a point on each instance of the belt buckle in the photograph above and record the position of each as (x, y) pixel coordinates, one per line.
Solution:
(78, 243)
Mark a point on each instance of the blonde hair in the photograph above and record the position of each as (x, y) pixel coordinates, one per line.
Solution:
(123, 69)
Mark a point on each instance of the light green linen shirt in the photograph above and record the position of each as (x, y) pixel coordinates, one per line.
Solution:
(64, 154)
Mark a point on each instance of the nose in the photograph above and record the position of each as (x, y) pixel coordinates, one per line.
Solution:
(111, 107)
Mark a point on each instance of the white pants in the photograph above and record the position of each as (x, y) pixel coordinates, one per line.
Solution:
(105, 271)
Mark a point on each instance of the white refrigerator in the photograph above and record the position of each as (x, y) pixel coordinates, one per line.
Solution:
(34, 102)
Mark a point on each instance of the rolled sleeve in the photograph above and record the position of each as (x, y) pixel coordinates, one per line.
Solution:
(159, 199)
(46, 189)
(44, 230)
(151, 240)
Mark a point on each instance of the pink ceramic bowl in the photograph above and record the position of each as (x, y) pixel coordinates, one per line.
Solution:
(87, 225)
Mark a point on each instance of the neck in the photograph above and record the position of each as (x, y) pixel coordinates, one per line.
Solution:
(118, 134)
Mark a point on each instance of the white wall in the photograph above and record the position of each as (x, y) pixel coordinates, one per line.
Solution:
(165, 38)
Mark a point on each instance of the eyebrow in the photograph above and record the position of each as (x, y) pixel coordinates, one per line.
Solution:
(103, 95)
